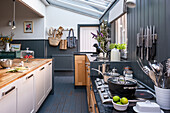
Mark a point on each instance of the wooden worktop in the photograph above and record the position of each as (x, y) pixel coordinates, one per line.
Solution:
(33, 64)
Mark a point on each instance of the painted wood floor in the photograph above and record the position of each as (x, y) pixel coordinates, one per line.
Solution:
(66, 99)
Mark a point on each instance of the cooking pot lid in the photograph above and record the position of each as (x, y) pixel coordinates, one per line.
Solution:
(120, 81)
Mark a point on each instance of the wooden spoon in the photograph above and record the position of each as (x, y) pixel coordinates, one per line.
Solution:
(153, 77)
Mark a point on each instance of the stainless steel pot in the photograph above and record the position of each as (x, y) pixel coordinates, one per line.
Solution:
(6, 63)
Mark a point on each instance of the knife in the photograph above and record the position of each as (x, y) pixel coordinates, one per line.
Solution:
(154, 44)
(141, 42)
(138, 45)
(145, 43)
(147, 54)
(150, 43)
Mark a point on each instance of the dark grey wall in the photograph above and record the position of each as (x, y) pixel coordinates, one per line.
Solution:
(36, 45)
(146, 13)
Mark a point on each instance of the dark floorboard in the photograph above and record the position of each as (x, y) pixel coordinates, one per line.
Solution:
(66, 98)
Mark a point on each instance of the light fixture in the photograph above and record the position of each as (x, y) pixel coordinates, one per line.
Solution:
(10, 23)
(131, 3)
(13, 23)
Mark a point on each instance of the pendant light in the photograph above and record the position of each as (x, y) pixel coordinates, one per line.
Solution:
(131, 3)
(13, 23)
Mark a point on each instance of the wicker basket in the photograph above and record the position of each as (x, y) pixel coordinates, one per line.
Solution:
(54, 41)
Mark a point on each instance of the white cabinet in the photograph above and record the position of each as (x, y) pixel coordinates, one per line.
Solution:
(48, 78)
(8, 102)
(27, 93)
(39, 86)
(25, 100)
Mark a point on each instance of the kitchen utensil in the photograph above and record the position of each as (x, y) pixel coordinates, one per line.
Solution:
(138, 53)
(147, 44)
(120, 107)
(151, 66)
(145, 69)
(163, 97)
(50, 31)
(156, 67)
(147, 107)
(122, 87)
(154, 44)
(6, 63)
(153, 77)
(141, 43)
(150, 42)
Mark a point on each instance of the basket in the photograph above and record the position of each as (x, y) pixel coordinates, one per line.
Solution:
(54, 41)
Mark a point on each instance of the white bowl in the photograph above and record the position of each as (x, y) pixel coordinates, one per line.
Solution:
(120, 107)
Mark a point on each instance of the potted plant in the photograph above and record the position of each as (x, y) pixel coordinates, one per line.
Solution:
(7, 40)
(102, 36)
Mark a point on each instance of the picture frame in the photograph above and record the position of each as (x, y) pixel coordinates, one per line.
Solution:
(28, 26)
(16, 47)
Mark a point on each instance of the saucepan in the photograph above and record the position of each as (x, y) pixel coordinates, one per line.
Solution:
(122, 87)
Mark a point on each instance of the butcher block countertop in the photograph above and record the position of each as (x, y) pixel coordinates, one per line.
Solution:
(33, 64)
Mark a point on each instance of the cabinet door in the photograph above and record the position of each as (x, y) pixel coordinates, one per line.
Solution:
(80, 78)
(25, 100)
(8, 99)
(39, 87)
(93, 102)
(48, 78)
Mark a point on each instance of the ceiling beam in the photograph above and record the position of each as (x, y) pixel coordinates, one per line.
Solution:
(102, 7)
(98, 2)
(79, 7)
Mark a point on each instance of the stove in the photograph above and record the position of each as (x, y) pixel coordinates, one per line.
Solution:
(142, 94)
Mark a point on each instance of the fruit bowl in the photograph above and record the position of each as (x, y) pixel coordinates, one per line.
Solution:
(120, 107)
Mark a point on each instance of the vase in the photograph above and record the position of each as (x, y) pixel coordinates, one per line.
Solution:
(7, 47)
(115, 55)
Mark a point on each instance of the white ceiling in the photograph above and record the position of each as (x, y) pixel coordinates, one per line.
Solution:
(92, 8)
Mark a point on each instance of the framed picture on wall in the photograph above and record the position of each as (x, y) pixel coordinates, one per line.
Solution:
(16, 47)
(28, 27)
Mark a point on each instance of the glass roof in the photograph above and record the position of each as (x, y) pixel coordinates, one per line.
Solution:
(92, 8)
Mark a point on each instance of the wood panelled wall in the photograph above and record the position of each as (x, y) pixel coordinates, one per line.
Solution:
(146, 13)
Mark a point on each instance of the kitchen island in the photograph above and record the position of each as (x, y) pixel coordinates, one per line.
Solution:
(24, 92)
(33, 64)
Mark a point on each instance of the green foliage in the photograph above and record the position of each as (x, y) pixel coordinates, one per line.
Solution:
(117, 46)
